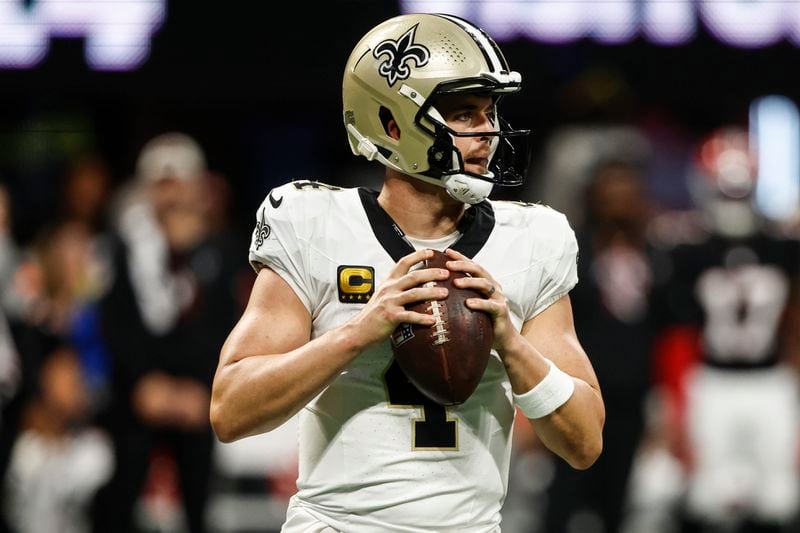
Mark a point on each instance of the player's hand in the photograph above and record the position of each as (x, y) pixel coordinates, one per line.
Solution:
(385, 310)
(495, 303)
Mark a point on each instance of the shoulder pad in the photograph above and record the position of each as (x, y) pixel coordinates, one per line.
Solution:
(303, 185)
(288, 192)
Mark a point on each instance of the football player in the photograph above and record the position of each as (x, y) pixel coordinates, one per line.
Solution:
(733, 283)
(336, 267)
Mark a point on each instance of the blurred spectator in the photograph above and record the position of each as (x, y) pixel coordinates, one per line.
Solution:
(164, 319)
(70, 275)
(571, 154)
(9, 360)
(733, 284)
(85, 191)
(46, 289)
(8, 248)
(57, 462)
(9, 364)
(64, 267)
(10, 374)
(613, 312)
(84, 198)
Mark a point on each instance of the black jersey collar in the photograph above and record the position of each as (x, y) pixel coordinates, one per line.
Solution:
(475, 226)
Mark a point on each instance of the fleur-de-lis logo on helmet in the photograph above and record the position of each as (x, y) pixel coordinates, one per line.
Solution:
(398, 54)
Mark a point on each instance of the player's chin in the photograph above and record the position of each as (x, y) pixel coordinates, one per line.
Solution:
(476, 168)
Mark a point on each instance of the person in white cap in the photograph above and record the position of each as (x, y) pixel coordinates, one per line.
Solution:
(163, 319)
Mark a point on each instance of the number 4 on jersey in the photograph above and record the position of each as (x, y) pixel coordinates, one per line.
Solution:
(434, 431)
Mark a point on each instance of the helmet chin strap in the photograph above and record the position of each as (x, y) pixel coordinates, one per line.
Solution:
(461, 187)
(467, 189)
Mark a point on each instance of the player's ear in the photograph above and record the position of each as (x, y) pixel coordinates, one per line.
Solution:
(389, 123)
(394, 131)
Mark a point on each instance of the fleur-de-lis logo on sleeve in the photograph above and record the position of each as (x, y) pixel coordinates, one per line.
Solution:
(262, 231)
(398, 54)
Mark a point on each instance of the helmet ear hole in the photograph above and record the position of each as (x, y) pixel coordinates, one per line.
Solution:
(389, 123)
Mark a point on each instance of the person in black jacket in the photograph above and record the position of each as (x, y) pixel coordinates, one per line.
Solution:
(164, 319)
(613, 312)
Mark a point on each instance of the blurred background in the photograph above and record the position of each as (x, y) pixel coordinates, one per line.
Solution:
(138, 137)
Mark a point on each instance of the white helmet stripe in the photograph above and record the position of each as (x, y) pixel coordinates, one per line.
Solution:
(496, 63)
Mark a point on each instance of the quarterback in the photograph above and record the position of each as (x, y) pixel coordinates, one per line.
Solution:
(337, 266)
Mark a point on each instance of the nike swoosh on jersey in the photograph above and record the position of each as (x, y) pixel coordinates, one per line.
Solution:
(275, 203)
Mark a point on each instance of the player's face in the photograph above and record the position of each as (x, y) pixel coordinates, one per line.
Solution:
(470, 113)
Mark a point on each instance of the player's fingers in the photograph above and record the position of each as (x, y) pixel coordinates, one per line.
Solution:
(493, 307)
(404, 265)
(480, 284)
(454, 254)
(420, 294)
(469, 267)
(421, 276)
(462, 263)
(412, 317)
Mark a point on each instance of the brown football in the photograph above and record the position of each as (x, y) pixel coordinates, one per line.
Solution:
(445, 361)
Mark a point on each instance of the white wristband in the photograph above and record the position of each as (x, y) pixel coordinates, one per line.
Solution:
(548, 395)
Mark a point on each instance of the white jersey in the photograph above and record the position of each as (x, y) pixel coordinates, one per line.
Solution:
(375, 454)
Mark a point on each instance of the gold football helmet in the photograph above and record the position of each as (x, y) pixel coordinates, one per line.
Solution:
(397, 71)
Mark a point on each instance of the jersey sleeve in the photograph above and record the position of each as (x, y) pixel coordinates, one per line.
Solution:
(558, 259)
(278, 242)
